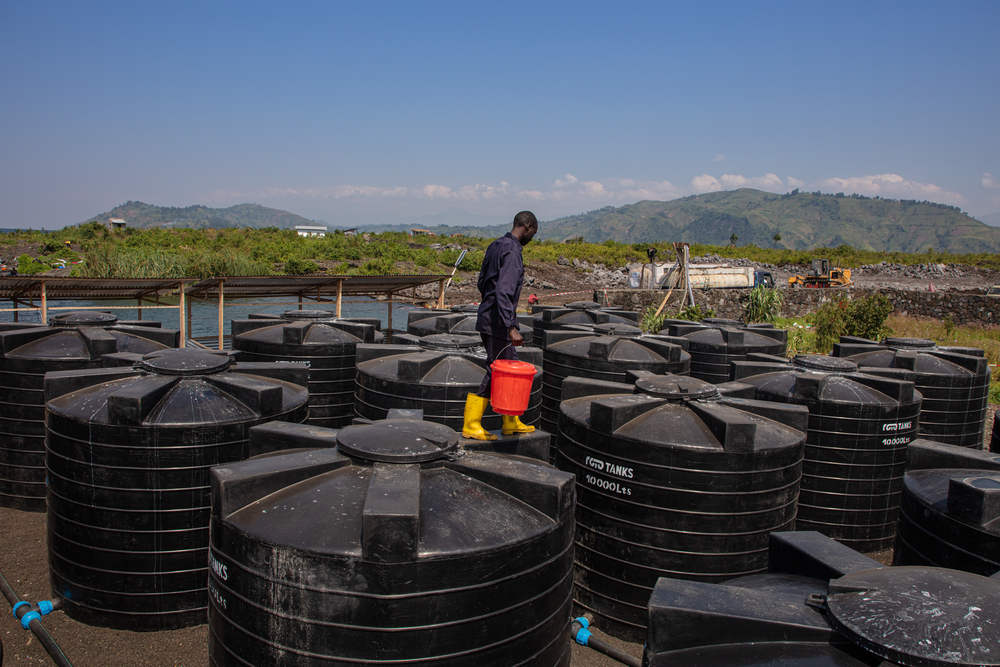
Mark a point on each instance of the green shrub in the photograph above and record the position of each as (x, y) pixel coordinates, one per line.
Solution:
(762, 305)
(300, 267)
(650, 322)
(866, 317)
(27, 265)
(829, 322)
(693, 313)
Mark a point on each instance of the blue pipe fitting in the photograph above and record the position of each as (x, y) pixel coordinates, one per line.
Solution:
(14, 609)
(583, 634)
(45, 607)
(28, 618)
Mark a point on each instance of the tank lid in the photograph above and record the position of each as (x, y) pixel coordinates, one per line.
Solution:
(617, 329)
(185, 362)
(466, 308)
(83, 318)
(398, 441)
(909, 343)
(720, 322)
(821, 362)
(449, 342)
(308, 315)
(582, 305)
(676, 388)
(919, 615)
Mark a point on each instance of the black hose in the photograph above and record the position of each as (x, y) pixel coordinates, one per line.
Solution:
(35, 625)
(583, 637)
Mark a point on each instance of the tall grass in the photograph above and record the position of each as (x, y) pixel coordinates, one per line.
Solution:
(112, 261)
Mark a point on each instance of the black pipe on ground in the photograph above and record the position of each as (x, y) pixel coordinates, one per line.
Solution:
(34, 624)
(581, 634)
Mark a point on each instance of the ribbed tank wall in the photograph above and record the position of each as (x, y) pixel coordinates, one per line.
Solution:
(457, 323)
(316, 337)
(435, 378)
(859, 428)
(71, 341)
(950, 509)
(129, 453)
(602, 357)
(714, 344)
(954, 382)
(392, 548)
(673, 482)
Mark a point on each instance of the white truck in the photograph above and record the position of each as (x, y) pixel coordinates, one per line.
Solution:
(703, 276)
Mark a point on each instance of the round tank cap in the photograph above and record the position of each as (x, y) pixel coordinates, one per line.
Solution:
(919, 615)
(909, 343)
(398, 441)
(616, 329)
(308, 315)
(449, 342)
(582, 305)
(821, 362)
(83, 318)
(720, 322)
(185, 362)
(676, 387)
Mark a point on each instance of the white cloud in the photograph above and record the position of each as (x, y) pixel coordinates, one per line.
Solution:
(572, 193)
(719, 157)
(892, 186)
(988, 181)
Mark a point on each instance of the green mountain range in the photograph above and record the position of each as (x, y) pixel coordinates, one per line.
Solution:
(142, 216)
(803, 220)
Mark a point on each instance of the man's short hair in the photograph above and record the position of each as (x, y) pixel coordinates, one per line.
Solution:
(525, 219)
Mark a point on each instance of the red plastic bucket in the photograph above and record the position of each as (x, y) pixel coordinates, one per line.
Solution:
(511, 386)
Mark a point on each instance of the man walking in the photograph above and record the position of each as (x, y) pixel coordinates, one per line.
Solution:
(500, 280)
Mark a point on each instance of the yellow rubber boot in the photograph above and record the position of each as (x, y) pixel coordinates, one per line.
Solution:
(475, 406)
(512, 424)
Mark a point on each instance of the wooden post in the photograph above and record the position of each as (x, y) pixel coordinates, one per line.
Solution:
(389, 334)
(16, 306)
(440, 303)
(180, 315)
(340, 296)
(138, 307)
(300, 300)
(222, 319)
(188, 302)
(45, 304)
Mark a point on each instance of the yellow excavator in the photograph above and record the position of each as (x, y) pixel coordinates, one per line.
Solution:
(821, 275)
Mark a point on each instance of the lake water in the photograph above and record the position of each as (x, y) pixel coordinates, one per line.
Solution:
(205, 317)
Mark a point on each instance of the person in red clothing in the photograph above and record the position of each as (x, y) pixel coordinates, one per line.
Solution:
(500, 280)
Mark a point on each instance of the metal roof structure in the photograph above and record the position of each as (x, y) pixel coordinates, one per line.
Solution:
(24, 290)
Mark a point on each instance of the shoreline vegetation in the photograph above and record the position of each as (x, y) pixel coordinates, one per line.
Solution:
(98, 252)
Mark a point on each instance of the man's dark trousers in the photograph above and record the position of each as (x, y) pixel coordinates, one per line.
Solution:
(496, 348)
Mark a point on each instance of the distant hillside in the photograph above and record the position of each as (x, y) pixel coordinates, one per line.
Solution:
(140, 215)
(804, 220)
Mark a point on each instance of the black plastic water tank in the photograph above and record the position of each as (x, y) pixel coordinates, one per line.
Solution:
(950, 509)
(859, 427)
(714, 344)
(826, 609)
(607, 353)
(393, 548)
(462, 323)
(954, 382)
(673, 480)
(327, 344)
(128, 458)
(70, 341)
(995, 442)
(578, 313)
(436, 377)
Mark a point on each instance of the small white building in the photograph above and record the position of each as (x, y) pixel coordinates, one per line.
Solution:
(310, 230)
(117, 223)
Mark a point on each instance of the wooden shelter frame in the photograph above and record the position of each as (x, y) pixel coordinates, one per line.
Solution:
(22, 291)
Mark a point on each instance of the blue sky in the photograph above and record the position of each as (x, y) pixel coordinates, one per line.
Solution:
(355, 113)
